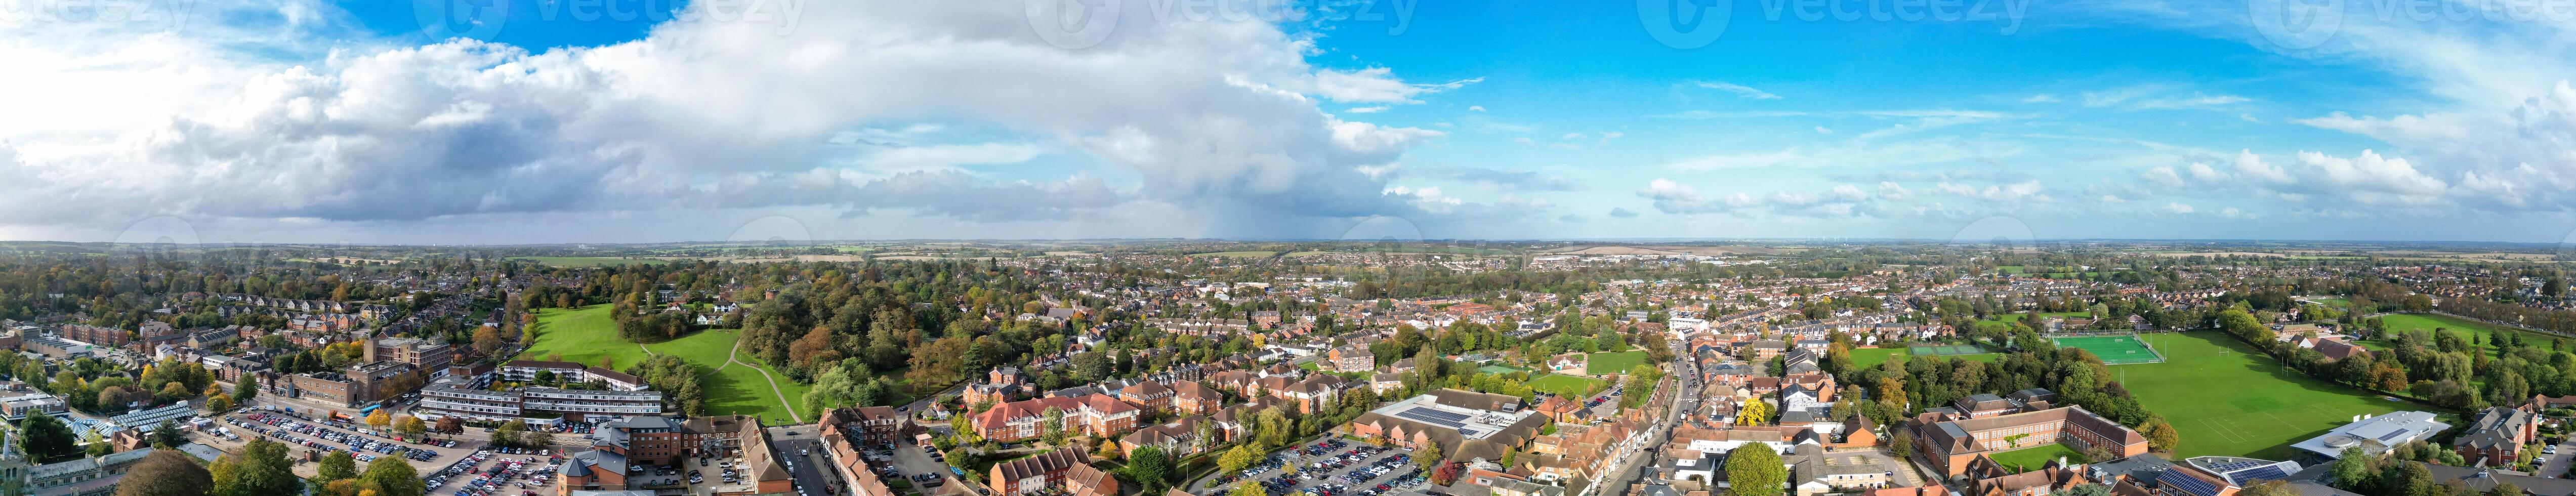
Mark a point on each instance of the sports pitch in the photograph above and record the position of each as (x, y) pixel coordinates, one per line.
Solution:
(2227, 399)
(2114, 350)
(1955, 349)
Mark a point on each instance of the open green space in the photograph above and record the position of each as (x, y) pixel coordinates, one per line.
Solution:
(2038, 456)
(1500, 369)
(2464, 328)
(587, 335)
(588, 261)
(1568, 386)
(2337, 303)
(2228, 400)
(2009, 269)
(1612, 363)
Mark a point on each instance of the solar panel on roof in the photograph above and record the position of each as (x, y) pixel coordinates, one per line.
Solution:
(1435, 417)
(2262, 473)
(2188, 484)
(2392, 435)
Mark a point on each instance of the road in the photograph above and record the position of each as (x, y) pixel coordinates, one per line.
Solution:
(1637, 452)
(2555, 466)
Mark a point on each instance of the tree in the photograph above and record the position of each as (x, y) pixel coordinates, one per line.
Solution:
(508, 434)
(380, 419)
(487, 339)
(1754, 470)
(451, 425)
(2161, 436)
(1237, 459)
(336, 466)
(391, 476)
(262, 469)
(249, 388)
(2279, 488)
(410, 426)
(165, 473)
(2084, 489)
(1903, 445)
(1248, 487)
(47, 439)
(1754, 412)
(2355, 471)
(1149, 467)
(219, 404)
(167, 435)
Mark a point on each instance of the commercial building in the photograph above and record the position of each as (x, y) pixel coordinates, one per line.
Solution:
(452, 397)
(1465, 424)
(361, 384)
(623, 453)
(420, 353)
(527, 370)
(2374, 435)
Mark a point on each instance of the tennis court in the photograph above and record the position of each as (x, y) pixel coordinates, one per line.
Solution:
(2114, 350)
(1955, 349)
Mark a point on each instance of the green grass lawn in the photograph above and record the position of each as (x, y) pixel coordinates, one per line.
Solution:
(2009, 269)
(2008, 319)
(1612, 363)
(2337, 303)
(2458, 326)
(1568, 386)
(587, 261)
(581, 336)
(1500, 369)
(2038, 456)
(2229, 400)
(587, 335)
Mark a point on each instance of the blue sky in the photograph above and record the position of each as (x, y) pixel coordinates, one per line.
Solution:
(657, 121)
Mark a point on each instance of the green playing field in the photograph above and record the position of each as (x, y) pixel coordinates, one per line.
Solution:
(2114, 350)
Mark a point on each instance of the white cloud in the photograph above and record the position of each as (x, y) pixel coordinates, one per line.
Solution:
(2177, 208)
(1217, 116)
(1824, 130)
(1367, 110)
(2040, 98)
(1475, 108)
(1740, 91)
(1376, 85)
(1676, 198)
